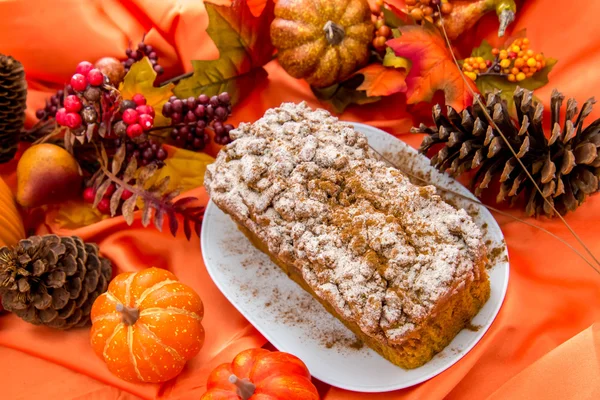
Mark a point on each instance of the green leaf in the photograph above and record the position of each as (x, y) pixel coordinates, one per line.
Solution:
(343, 94)
(244, 47)
(484, 50)
(395, 19)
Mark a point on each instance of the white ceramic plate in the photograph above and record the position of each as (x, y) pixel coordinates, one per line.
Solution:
(296, 323)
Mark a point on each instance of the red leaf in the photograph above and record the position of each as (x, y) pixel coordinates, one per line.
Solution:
(432, 67)
(382, 81)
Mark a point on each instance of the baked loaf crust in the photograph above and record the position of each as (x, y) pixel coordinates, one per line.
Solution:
(404, 270)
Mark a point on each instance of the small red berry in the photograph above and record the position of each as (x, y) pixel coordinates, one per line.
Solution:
(126, 194)
(139, 99)
(145, 110)
(95, 77)
(109, 190)
(512, 54)
(60, 116)
(79, 82)
(134, 130)
(84, 67)
(146, 121)
(73, 120)
(130, 116)
(72, 103)
(104, 206)
(89, 195)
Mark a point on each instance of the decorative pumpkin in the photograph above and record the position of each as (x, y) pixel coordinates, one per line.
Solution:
(322, 41)
(147, 325)
(11, 224)
(258, 374)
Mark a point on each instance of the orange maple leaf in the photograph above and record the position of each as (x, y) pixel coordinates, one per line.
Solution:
(432, 67)
(382, 81)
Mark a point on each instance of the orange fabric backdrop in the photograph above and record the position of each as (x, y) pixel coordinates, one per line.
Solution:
(552, 295)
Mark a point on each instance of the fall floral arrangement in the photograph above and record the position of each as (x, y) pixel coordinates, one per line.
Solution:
(113, 140)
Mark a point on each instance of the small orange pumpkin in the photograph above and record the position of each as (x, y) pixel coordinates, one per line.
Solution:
(147, 325)
(258, 374)
(11, 224)
(322, 41)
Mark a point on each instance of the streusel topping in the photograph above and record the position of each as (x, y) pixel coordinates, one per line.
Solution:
(382, 251)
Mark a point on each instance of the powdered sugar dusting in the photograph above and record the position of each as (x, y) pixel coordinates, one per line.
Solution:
(380, 250)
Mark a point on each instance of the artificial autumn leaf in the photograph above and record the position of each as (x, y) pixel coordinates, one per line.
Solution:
(382, 81)
(184, 168)
(140, 79)
(393, 15)
(244, 45)
(433, 67)
(342, 94)
(392, 60)
(155, 200)
(489, 83)
(73, 215)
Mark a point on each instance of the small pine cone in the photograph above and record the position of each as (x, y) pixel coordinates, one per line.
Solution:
(565, 163)
(53, 281)
(13, 99)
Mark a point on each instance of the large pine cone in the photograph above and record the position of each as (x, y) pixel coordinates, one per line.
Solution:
(565, 163)
(51, 280)
(13, 99)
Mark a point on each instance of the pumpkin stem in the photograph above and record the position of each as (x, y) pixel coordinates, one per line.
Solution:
(129, 315)
(334, 33)
(505, 18)
(245, 388)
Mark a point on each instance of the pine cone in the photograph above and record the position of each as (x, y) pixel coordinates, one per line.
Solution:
(565, 163)
(53, 281)
(13, 98)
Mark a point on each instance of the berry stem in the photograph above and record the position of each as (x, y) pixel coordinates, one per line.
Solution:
(158, 128)
(40, 129)
(492, 74)
(176, 79)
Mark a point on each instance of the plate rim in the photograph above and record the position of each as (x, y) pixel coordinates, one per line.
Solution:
(210, 209)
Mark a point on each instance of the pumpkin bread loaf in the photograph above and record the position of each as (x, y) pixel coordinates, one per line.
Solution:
(401, 268)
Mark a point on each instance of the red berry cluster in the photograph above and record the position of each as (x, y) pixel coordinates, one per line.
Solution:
(55, 102)
(143, 50)
(146, 152)
(89, 195)
(191, 117)
(86, 84)
(137, 116)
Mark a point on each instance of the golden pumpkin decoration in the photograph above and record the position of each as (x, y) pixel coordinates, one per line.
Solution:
(322, 41)
(11, 224)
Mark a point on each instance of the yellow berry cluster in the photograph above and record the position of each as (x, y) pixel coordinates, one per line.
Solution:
(516, 62)
(427, 10)
(473, 66)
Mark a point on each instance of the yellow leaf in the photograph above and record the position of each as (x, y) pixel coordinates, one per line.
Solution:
(392, 60)
(185, 168)
(140, 79)
(73, 215)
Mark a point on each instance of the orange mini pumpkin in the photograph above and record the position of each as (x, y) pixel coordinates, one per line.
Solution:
(147, 325)
(322, 41)
(11, 224)
(258, 374)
